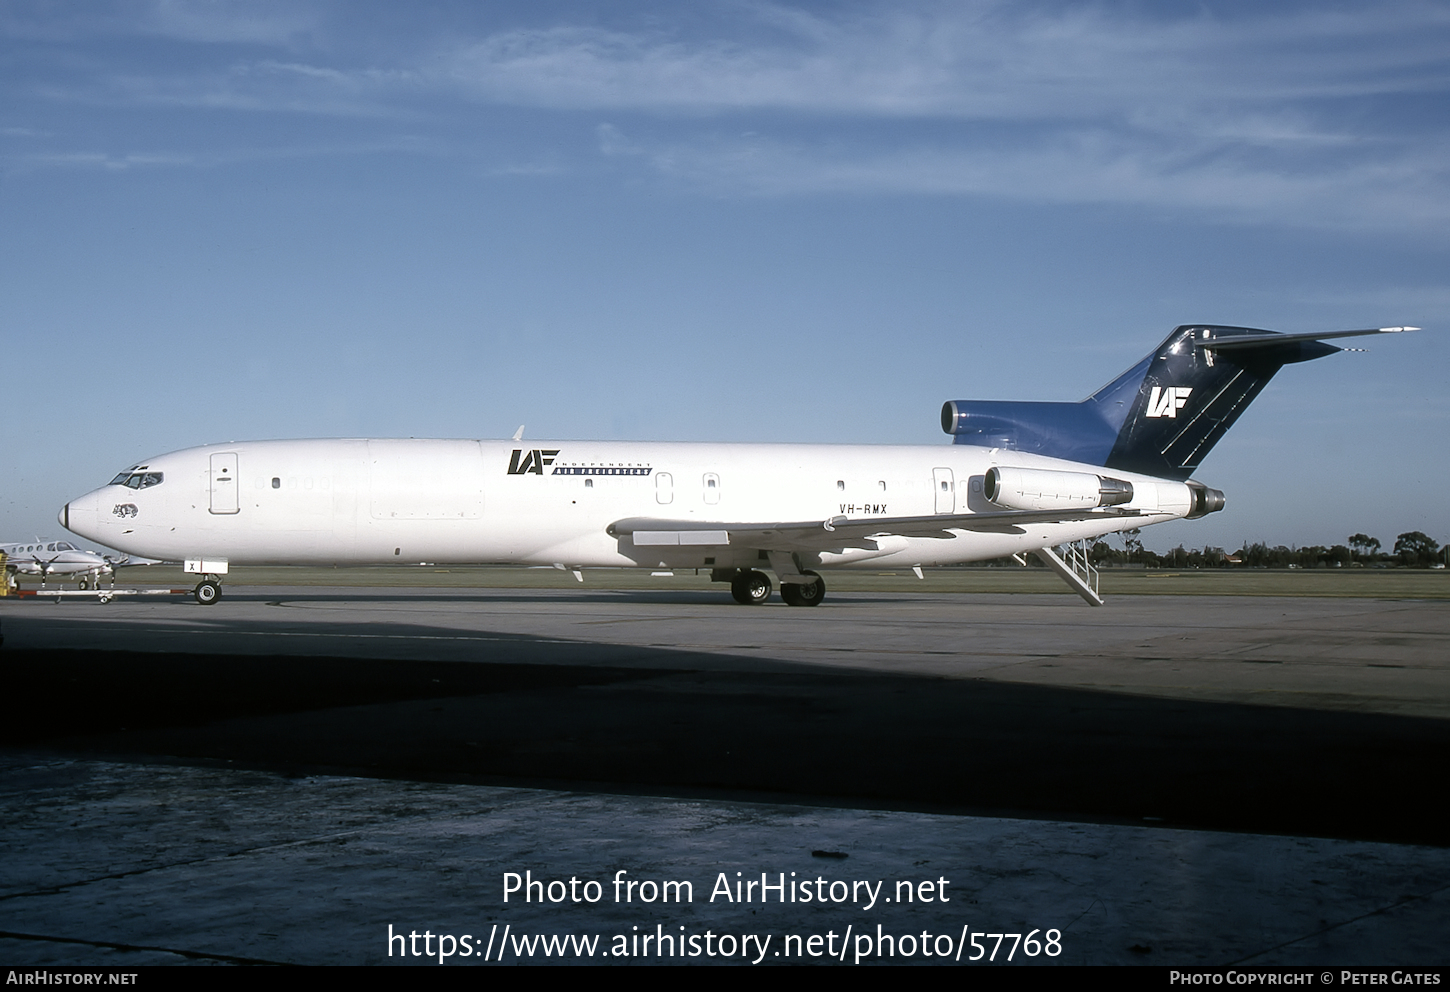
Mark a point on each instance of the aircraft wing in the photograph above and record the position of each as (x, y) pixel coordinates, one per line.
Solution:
(837, 532)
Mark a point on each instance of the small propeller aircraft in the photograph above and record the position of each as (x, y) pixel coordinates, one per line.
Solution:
(47, 558)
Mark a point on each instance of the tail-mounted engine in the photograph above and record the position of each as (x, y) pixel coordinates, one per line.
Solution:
(1205, 500)
(1041, 489)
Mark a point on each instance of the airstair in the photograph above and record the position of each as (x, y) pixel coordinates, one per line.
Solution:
(1074, 568)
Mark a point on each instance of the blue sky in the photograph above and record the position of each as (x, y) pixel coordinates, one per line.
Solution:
(730, 222)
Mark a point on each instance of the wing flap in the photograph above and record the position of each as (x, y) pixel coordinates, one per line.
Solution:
(837, 532)
(670, 538)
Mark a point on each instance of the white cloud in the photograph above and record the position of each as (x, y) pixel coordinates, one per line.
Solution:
(1406, 191)
(271, 22)
(115, 162)
(976, 61)
(1301, 116)
(263, 86)
(985, 60)
(1279, 117)
(231, 21)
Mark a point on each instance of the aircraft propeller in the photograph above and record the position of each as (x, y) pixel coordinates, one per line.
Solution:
(44, 566)
(112, 564)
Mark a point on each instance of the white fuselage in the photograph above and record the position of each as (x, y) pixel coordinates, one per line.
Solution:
(552, 502)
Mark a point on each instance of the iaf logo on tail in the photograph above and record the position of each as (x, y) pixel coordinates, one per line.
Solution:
(1167, 402)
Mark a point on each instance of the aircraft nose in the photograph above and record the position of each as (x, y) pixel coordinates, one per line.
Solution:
(79, 516)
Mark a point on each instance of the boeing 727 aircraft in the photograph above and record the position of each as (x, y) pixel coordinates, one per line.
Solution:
(1021, 478)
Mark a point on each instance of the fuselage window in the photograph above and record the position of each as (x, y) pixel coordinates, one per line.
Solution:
(882, 484)
(588, 483)
(276, 482)
(841, 484)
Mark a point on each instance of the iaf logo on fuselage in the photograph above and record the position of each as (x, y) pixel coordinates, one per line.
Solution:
(534, 462)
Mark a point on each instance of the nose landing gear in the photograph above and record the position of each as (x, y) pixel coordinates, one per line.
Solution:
(207, 592)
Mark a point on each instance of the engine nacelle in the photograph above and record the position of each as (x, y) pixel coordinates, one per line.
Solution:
(1042, 489)
(1205, 500)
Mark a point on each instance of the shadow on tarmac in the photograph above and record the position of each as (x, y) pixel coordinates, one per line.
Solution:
(549, 713)
(551, 597)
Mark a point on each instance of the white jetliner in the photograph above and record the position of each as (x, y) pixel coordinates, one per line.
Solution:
(1021, 478)
(47, 558)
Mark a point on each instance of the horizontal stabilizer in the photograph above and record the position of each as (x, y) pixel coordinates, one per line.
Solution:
(1242, 341)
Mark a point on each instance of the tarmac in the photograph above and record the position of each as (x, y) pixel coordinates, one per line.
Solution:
(285, 775)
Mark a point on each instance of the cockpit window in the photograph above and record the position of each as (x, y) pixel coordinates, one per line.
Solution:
(137, 480)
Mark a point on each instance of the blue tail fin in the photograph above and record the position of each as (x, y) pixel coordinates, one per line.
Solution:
(1163, 415)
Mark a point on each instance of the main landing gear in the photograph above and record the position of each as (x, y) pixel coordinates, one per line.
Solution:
(804, 594)
(751, 587)
(207, 592)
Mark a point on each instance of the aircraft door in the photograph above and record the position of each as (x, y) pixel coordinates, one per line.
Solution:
(664, 487)
(945, 489)
(711, 483)
(224, 496)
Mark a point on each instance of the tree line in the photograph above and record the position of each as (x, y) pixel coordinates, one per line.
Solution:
(1412, 549)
